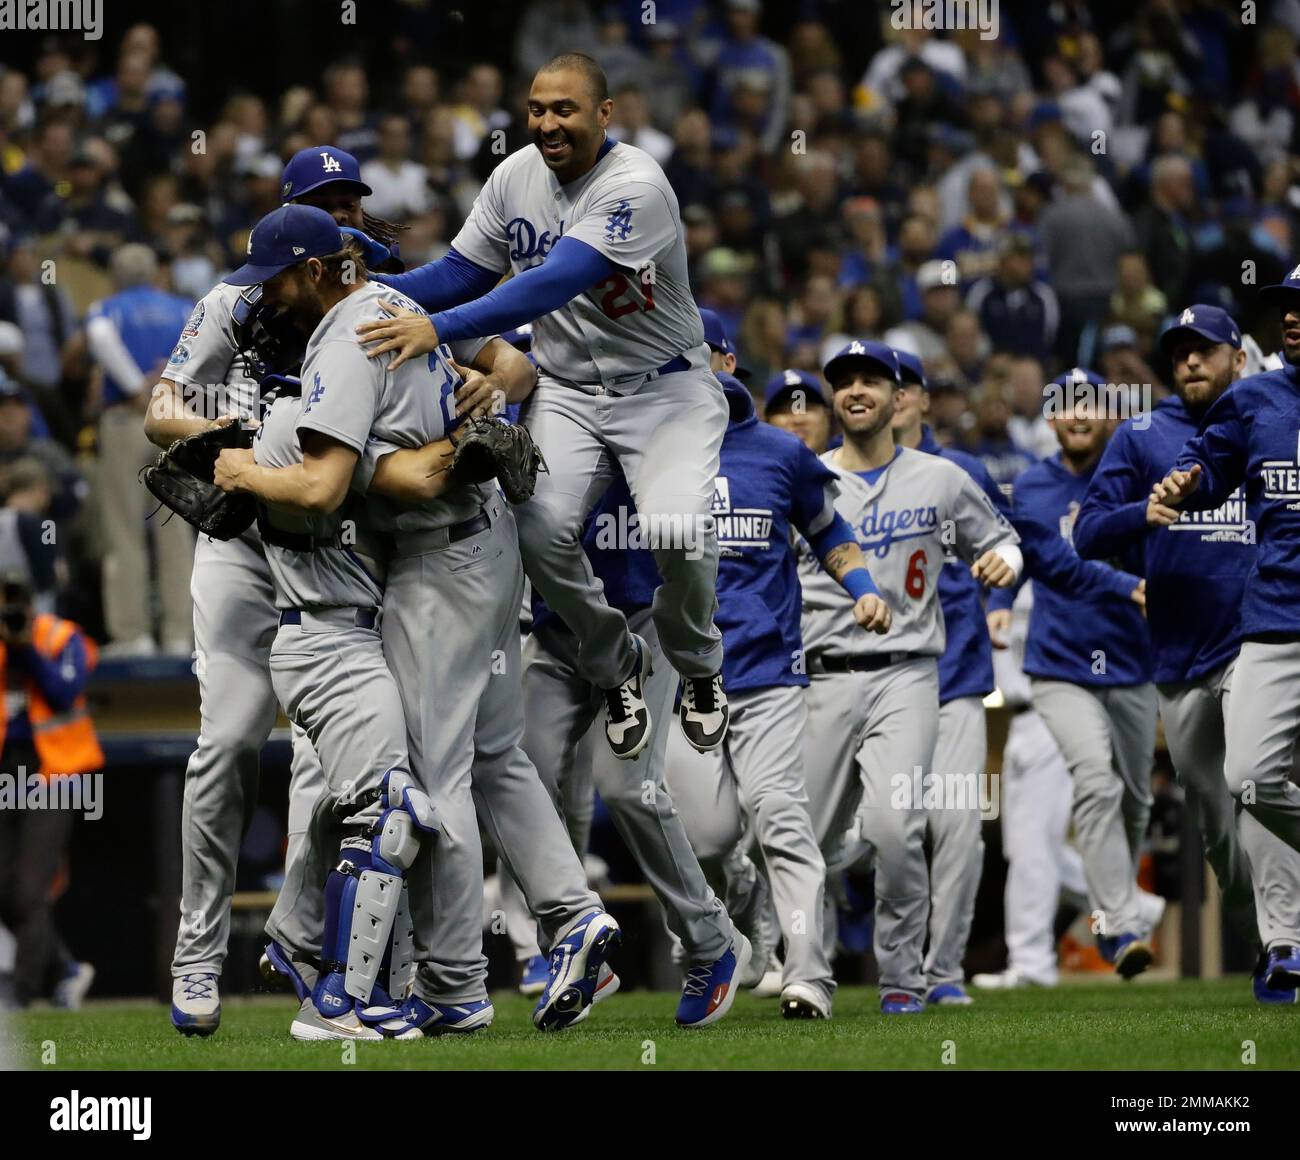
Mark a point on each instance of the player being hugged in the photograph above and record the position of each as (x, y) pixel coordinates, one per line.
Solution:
(1250, 436)
(591, 231)
(873, 701)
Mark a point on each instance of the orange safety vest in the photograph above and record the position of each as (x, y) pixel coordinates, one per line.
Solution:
(65, 742)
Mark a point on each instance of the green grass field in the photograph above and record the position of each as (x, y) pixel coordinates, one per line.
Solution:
(1157, 1026)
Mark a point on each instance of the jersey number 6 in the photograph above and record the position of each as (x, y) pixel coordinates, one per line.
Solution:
(615, 286)
(914, 581)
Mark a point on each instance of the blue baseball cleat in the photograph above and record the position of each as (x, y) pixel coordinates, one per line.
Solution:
(710, 988)
(1270, 996)
(196, 1005)
(1283, 971)
(535, 974)
(422, 1018)
(1130, 954)
(948, 995)
(900, 1003)
(575, 971)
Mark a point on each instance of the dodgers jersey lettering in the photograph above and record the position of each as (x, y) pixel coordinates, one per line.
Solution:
(634, 321)
(919, 509)
(363, 405)
(350, 575)
(206, 362)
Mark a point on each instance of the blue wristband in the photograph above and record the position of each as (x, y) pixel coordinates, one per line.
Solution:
(858, 583)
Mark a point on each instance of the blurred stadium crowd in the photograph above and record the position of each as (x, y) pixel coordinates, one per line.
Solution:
(1004, 207)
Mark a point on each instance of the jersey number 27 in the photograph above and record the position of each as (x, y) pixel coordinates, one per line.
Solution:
(615, 287)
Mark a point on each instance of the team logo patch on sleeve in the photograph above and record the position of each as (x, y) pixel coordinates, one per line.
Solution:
(196, 321)
(317, 393)
(619, 224)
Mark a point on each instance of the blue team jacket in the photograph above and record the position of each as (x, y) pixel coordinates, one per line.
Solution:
(768, 482)
(966, 667)
(1251, 435)
(1083, 628)
(1196, 569)
(149, 320)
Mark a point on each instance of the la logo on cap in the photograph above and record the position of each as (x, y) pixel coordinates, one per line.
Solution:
(1187, 317)
(331, 165)
(792, 379)
(1294, 276)
(857, 348)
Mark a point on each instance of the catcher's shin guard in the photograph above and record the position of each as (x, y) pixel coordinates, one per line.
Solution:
(367, 950)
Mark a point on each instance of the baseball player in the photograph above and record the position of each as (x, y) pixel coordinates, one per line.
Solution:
(561, 707)
(1196, 565)
(329, 673)
(1090, 664)
(1042, 866)
(873, 701)
(769, 484)
(961, 749)
(208, 380)
(1249, 436)
(590, 229)
(454, 570)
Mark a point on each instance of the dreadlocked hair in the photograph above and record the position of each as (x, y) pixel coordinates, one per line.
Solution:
(381, 230)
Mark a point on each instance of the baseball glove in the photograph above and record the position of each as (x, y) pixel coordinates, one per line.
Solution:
(493, 449)
(182, 479)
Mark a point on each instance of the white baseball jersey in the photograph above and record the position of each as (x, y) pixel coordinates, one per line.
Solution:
(633, 322)
(349, 575)
(207, 365)
(909, 522)
(358, 401)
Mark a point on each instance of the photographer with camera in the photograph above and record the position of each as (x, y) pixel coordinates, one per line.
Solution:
(45, 734)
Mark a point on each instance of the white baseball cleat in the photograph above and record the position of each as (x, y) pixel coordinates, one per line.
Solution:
(801, 1001)
(1008, 980)
(310, 1025)
(1151, 909)
(627, 716)
(769, 986)
(704, 712)
(196, 1004)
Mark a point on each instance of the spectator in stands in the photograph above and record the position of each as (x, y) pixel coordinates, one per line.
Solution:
(1161, 226)
(18, 440)
(43, 311)
(1017, 311)
(622, 61)
(347, 92)
(940, 299)
(669, 73)
(990, 437)
(46, 165)
(550, 27)
(399, 186)
(751, 77)
(1027, 425)
(863, 317)
(632, 124)
(46, 736)
(91, 224)
(968, 348)
(130, 335)
(478, 111)
(1082, 241)
(29, 544)
(1135, 302)
(974, 244)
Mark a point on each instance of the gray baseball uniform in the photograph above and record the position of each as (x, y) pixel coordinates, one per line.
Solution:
(624, 382)
(234, 624)
(871, 732)
(560, 710)
(328, 671)
(1258, 873)
(451, 638)
(956, 847)
(758, 771)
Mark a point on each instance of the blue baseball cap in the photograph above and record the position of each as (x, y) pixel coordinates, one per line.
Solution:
(1277, 294)
(1077, 377)
(910, 369)
(285, 237)
(319, 165)
(1212, 322)
(876, 355)
(715, 333)
(789, 381)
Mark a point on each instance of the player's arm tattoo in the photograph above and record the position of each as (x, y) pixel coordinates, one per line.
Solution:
(842, 559)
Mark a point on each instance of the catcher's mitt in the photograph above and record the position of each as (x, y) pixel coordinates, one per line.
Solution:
(493, 449)
(181, 479)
